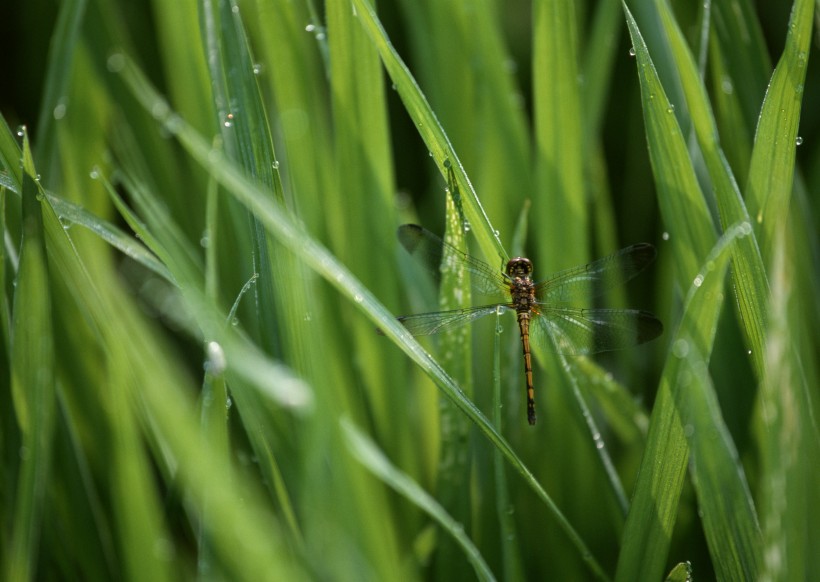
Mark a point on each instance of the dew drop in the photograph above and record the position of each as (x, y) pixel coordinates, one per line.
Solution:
(275, 164)
(698, 281)
(680, 348)
(665, 236)
(632, 51)
(59, 111)
(115, 62)
(798, 141)
(671, 108)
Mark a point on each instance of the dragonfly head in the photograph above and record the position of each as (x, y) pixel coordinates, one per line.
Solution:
(519, 267)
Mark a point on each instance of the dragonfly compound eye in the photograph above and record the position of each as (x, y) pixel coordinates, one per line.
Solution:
(519, 267)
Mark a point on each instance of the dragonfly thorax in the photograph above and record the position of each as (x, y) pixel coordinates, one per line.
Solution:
(519, 268)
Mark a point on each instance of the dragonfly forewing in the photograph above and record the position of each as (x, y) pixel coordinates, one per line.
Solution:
(591, 280)
(436, 256)
(438, 321)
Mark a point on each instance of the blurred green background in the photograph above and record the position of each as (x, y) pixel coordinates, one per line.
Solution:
(199, 203)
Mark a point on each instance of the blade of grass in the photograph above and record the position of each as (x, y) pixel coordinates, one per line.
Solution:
(71, 213)
(686, 217)
(751, 287)
(430, 130)
(455, 457)
(786, 434)
(62, 51)
(771, 175)
(559, 138)
(507, 536)
(648, 530)
(32, 381)
(369, 455)
(320, 260)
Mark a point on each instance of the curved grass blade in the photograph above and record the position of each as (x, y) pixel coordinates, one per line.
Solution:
(683, 208)
(369, 455)
(751, 286)
(771, 174)
(559, 135)
(74, 214)
(651, 518)
(32, 364)
(429, 128)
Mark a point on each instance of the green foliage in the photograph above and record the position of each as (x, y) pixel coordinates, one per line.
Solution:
(198, 248)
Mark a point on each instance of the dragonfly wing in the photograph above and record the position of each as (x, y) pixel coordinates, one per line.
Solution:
(438, 321)
(578, 332)
(593, 279)
(435, 255)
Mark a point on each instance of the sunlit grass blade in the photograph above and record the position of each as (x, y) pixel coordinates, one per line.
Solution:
(32, 384)
(751, 286)
(70, 213)
(455, 460)
(367, 453)
(683, 208)
(654, 507)
(559, 136)
(63, 51)
(280, 225)
(429, 128)
(787, 435)
(771, 175)
(464, 61)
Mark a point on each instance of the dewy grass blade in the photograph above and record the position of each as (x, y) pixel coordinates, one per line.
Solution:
(368, 454)
(654, 507)
(429, 129)
(32, 382)
(772, 167)
(71, 213)
(787, 437)
(281, 226)
(751, 287)
(683, 208)
(560, 198)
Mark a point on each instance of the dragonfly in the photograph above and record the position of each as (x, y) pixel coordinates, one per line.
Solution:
(549, 313)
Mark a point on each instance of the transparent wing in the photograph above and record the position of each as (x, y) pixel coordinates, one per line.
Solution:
(593, 279)
(577, 332)
(429, 251)
(437, 321)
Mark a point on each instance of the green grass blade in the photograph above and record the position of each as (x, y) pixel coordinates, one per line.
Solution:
(651, 519)
(787, 435)
(751, 286)
(369, 455)
(63, 51)
(559, 137)
(32, 383)
(771, 175)
(71, 213)
(10, 157)
(685, 215)
(429, 129)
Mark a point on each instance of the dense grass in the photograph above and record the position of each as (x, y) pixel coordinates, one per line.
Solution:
(198, 208)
